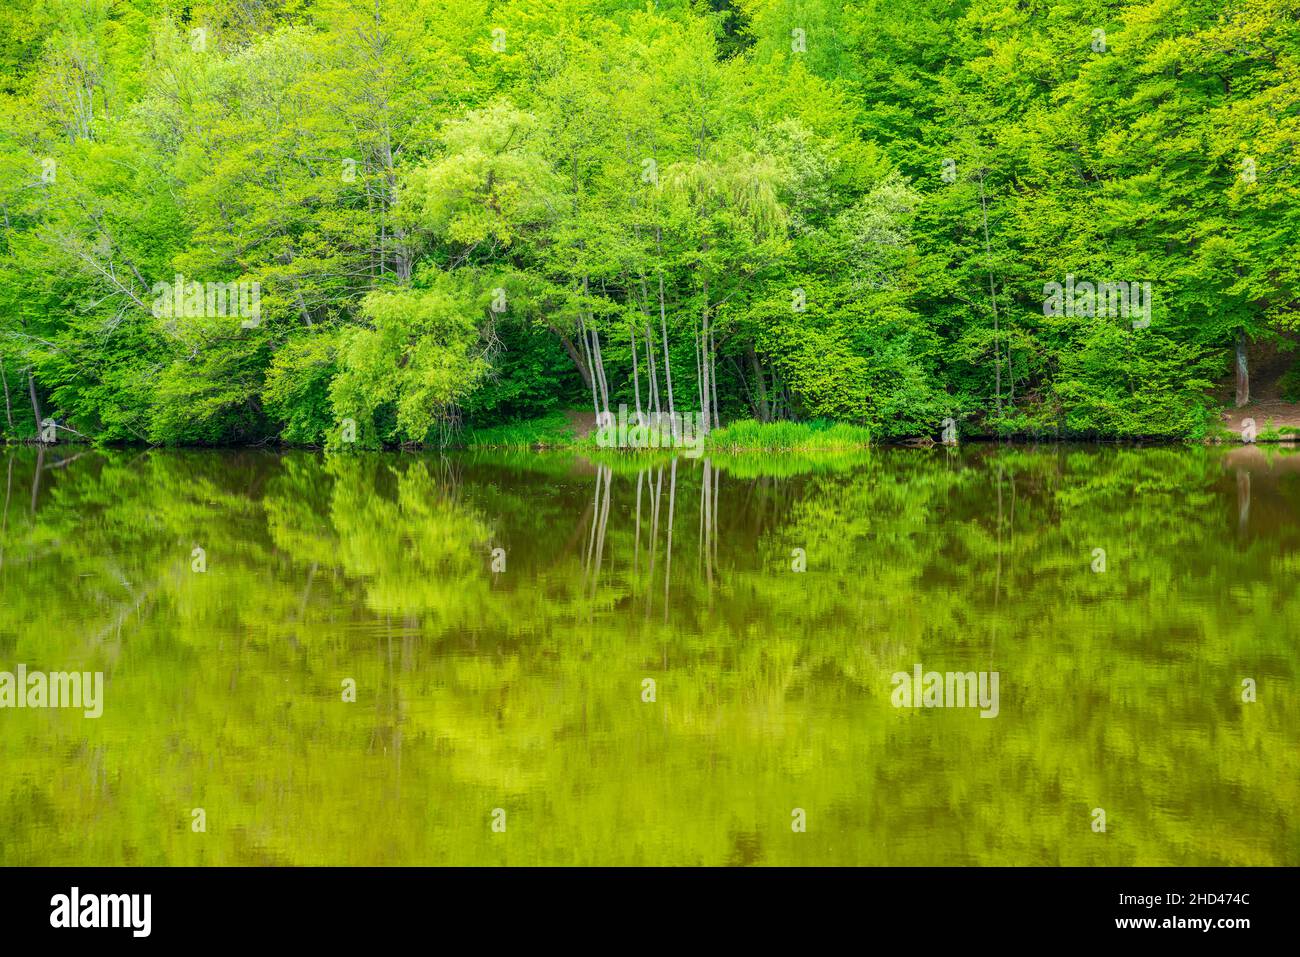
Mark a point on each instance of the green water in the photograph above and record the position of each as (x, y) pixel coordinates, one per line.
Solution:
(522, 689)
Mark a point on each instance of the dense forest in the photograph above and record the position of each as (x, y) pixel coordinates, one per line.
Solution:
(381, 221)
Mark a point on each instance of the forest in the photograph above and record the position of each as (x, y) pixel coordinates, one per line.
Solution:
(393, 222)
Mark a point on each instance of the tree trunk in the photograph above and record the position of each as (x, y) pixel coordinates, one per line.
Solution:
(597, 360)
(705, 408)
(599, 357)
(713, 378)
(652, 392)
(663, 326)
(1243, 370)
(578, 362)
(590, 374)
(9, 412)
(654, 373)
(636, 379)
(699, 369)
(36, 406)
(997, 346)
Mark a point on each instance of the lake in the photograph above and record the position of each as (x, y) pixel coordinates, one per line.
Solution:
(534, 658)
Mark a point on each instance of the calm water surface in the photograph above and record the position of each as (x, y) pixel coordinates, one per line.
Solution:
(523, 689)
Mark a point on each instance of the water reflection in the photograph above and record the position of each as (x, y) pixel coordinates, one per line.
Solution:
(520, 686)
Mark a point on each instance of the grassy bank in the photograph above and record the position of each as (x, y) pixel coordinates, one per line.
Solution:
(1266, 433)
(554, 431)
(748, 435)
(548, 432)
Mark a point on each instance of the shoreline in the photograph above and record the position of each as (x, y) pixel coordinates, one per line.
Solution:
(914, 444)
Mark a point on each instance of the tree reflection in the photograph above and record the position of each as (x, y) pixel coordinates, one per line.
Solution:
(479, 689)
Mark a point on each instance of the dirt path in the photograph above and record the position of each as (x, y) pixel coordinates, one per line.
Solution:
(1266, 406)
(1267, 413)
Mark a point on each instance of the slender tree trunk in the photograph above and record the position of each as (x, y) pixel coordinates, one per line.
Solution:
(705, 339)
(598, 360)
(596, 355)
(654, 372)
(590, 375)
(713, 378)
(636, 378)
(600, 369)
(604, 382)
(36, 406)
(997, 346)
(652, 395)
(699, 369)
(663, 326)
(9, 412)
(1243, 370)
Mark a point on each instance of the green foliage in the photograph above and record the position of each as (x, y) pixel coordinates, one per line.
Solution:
(797, 209)
(419, 358)
(818, 435)
(297, 390)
